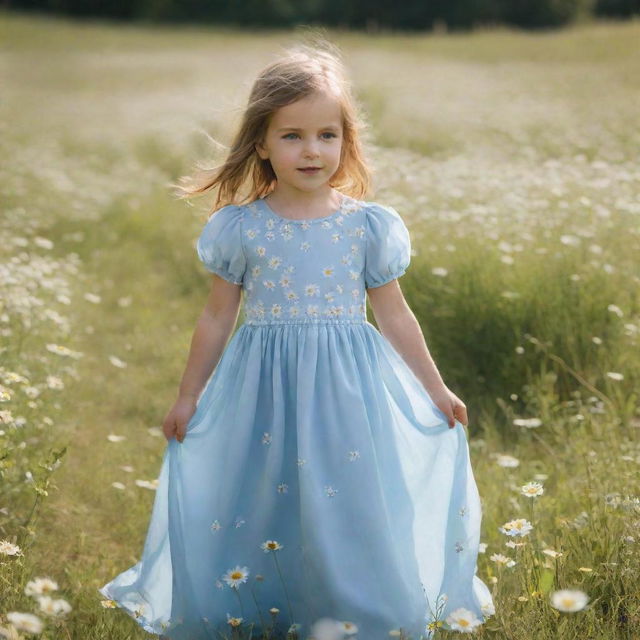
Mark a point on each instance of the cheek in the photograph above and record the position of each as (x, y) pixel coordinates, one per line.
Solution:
(289, 155)
(336, 151)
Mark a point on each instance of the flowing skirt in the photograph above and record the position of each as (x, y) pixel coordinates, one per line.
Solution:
(317, 479)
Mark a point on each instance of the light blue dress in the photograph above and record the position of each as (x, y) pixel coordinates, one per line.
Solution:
(314, 433)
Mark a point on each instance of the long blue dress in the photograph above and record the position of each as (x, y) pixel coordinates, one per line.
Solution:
(317, 476)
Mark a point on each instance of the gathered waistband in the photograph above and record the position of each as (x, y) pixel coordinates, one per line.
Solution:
(305, 321)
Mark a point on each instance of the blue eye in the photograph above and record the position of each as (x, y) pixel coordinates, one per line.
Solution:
(333, 135)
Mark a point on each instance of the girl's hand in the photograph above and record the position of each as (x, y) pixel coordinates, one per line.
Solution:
(175, 424)
(449, 403)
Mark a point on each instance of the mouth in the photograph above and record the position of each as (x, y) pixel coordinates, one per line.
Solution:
(309, 169)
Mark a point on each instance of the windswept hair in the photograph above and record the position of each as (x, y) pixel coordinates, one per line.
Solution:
(302, 70)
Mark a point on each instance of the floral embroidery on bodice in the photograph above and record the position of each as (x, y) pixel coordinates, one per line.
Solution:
(304, 270)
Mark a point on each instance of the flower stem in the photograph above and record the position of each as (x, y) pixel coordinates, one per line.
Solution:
(284, 586)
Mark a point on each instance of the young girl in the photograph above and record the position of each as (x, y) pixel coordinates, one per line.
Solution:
(318, 482)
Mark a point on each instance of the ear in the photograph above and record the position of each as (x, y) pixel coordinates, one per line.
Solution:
(262, 152)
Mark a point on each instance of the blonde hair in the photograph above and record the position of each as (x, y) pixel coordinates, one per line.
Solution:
(302, 70)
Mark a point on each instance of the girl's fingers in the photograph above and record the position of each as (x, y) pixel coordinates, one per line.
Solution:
(451, 416)
(461, 413)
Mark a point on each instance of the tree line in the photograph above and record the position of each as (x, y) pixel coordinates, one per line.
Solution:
(369, 15)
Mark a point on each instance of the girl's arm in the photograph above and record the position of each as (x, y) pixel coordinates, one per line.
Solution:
(213, 329)
(398, 324)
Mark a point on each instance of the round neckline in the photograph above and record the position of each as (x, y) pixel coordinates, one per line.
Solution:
(343, 199)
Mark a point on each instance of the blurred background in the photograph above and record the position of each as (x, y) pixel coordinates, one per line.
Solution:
(411, 15)
(507, 135)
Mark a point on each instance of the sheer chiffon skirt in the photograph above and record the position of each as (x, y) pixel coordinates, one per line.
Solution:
(319, 438)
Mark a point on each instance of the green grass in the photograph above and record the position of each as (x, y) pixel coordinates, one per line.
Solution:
(512, 157)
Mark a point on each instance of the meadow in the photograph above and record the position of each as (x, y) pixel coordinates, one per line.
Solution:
(513, 158)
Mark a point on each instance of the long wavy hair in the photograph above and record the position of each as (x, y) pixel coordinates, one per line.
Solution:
(302, 70)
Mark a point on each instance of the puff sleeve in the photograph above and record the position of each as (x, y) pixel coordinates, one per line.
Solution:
(219, 245)
(388, 251)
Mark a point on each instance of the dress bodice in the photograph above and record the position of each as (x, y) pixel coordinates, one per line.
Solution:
(305, 271)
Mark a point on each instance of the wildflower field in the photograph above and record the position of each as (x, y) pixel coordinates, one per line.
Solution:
(513, 158)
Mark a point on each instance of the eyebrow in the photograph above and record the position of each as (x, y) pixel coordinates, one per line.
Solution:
(330, 126)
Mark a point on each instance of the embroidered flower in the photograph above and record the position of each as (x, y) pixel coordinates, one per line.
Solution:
(216, 526)
(266, 438)
(276, 310)
(283, 488)
(286, 231)
(330, 491)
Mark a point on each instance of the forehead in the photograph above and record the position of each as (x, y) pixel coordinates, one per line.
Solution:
(311, 112)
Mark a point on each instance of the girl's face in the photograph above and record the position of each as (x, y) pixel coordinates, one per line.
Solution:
(305, 133)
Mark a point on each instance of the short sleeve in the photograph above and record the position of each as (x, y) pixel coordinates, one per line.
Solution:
(388, 251)
(220, 246)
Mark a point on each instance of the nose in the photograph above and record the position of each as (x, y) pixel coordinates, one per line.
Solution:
(311, 149)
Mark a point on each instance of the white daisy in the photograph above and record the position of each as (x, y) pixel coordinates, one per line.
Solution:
(462, 620)
(237, 575)
(499, 558)
(40, 587)
(569, 600)
(532, 489)
(518, 527)
(25, 622)
(271, 545)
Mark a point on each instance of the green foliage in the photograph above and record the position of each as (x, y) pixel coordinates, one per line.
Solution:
(410, 15)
